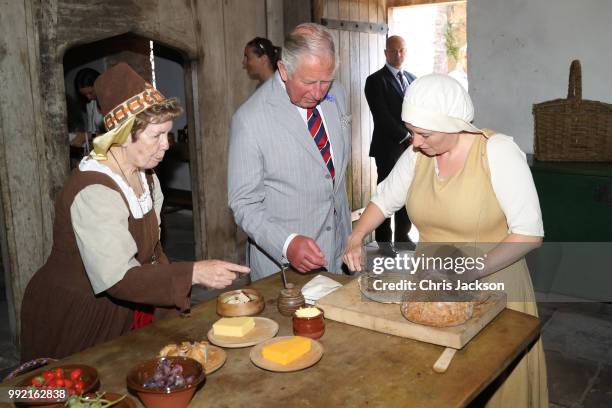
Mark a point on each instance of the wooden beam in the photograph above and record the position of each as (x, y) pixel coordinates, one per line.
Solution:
(358, 26)
(318, 10)
(403, 3)
(275, 27)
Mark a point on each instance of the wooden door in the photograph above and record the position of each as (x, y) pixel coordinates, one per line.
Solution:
(360, 50)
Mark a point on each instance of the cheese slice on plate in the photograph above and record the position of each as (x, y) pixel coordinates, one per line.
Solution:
(233, 326)
(286, 351)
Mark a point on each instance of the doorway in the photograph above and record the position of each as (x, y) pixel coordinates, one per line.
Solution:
(164, 67)
(436, 38)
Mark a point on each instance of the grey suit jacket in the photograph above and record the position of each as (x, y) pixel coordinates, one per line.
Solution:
(278, 183)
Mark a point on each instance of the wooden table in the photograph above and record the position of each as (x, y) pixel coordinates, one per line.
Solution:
(359, 367)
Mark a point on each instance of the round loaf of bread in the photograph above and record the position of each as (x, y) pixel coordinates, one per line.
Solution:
(438, 314)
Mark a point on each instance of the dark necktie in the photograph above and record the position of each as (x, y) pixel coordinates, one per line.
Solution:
(401, 78)
(317, 131)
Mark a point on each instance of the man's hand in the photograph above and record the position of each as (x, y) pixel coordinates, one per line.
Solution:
(304, 254)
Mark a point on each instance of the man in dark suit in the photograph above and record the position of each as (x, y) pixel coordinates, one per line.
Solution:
(384, 91)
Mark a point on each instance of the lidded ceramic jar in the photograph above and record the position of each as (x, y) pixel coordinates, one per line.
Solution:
(289, 300)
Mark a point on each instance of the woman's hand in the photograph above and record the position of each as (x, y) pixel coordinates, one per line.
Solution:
(354, 254)
(216, 274)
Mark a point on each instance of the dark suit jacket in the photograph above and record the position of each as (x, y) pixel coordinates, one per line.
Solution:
(385, 97)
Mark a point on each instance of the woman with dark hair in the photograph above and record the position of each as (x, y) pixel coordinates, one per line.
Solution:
(84, 86)
(260, 58)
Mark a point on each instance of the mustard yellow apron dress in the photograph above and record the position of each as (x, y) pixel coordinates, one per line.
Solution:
(464, 209)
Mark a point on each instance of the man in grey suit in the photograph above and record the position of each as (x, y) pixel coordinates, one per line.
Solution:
(288, 153)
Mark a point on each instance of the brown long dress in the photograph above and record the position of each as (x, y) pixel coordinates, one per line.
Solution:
(464, 209)
(60, 313)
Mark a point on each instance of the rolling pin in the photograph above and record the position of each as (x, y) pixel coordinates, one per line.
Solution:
(444, 360)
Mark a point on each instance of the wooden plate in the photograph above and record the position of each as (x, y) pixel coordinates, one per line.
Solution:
(264, 330)
(307, 360)
(216, 358)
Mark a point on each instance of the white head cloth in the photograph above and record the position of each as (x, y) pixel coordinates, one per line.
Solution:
(439, 103)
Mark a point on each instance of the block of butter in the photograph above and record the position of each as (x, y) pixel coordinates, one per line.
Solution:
(286, 351)
(233, 326)
(307, 312)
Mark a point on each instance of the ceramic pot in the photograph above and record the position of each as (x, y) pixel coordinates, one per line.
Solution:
(312, 327)
(290, 300)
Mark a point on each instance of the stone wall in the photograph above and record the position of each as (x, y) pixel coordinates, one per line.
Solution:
(34, 36)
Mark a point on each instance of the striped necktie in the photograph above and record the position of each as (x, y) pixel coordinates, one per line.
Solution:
(317, 131)
(400, 77)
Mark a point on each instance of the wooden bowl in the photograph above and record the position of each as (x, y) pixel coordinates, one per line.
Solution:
(240, 309)
(90, 377)
(164, 397)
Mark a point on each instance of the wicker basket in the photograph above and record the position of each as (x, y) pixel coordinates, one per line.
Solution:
(573, 129)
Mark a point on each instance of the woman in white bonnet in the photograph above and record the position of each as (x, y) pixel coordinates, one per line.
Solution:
(463, 184)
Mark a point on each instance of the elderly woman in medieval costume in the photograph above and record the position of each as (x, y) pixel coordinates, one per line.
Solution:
(107, 273)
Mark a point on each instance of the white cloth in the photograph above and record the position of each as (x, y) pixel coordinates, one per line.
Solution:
(510, 178)
(318, 287)
(100, 223)
(438, 102)
(95, 120)
(138, 205)
(461, 76)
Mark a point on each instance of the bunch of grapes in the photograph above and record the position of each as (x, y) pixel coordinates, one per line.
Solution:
(168, 375)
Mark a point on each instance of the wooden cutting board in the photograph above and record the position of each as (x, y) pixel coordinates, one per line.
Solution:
(347, 305)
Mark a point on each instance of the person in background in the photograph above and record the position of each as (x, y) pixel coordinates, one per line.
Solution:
(465, 185)
(289, 147)
(84, 86)
(107, 273)
(260, 59)
(384, 91)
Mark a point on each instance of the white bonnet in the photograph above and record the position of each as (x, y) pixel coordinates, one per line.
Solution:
(439, 103)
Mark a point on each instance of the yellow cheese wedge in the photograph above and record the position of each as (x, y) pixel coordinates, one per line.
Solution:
(286, 351)
(233, 326)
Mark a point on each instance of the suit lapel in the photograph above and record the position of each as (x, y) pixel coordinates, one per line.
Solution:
(287, 116)
(390, 78)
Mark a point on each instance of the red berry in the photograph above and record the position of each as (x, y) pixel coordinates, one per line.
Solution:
(75, 374)
(78, 386)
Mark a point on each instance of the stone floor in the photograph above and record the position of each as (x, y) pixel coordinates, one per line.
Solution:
(577, 336)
